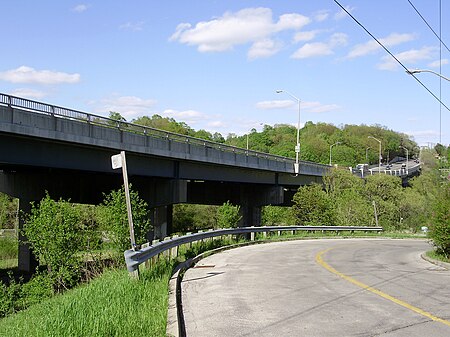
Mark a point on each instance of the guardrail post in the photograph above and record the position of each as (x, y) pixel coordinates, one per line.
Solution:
(252, 235)
(167, 253)
(174, 250)
(154, 259)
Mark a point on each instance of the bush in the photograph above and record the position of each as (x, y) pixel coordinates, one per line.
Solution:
(313, 206)
(54, 233)
(440, 222)
(112, 215)
(228, 215)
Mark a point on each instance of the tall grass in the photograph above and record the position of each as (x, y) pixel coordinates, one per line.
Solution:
(8, 252)
(112, 305)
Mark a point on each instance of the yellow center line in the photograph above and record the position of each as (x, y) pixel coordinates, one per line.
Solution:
(320, 261)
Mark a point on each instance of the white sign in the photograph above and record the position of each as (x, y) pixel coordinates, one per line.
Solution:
(116, 161)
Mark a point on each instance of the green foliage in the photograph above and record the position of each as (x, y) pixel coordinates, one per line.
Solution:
(440, 221)
(53, 230)
(107, 306)
(8, 211)
(189, 218)
(228, 215)
(276, 215)
(8, 248)
(313, 206)
(112, 216)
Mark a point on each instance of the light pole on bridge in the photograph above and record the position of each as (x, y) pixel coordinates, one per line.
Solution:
(297, 147)
(379, 156)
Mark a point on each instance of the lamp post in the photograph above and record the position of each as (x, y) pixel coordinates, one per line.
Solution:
(417, 71)
(331, 146)
(379, 157)
(407, 158)
(297, 147)
(366, 153)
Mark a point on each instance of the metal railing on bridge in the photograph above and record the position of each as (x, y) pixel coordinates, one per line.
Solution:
(80, 116)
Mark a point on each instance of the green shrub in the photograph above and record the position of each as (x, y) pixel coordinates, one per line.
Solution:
(112, 215)
(313, 206)
(440, 222)
(53, 230)
(228, 215)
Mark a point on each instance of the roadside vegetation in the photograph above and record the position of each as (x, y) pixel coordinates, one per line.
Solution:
(81, 287)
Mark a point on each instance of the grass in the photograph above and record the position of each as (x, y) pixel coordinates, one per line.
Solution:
(116, 305)
(112, 305)
(8, 252)
(437, 256)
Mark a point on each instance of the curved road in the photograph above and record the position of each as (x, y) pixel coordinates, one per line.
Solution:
(351, 287)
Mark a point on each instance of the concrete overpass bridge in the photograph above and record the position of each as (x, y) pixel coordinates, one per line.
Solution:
(66, 152)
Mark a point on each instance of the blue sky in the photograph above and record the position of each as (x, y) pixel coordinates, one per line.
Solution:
(216, 64)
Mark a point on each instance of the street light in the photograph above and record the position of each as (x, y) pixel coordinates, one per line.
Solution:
(331, 147)
(406, 157)
(297, 147)
(417, 71)
(379, 157)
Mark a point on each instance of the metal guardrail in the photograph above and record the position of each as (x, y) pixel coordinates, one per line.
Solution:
(133, 258)
(61, 112)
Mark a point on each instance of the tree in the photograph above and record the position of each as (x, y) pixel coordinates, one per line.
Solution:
(53, 230)
(112, 215)
(312, 206)
(228, 216)
(440, 221)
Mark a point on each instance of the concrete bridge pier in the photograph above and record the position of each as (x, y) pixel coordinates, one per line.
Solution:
(161, 219)
(27, 261)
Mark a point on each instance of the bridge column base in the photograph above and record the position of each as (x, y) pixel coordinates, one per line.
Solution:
(27, 260)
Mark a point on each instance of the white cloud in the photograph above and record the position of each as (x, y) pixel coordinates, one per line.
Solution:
(320, 48)
(412, 56)
(342, 14)
(314, 107)
(372, 46)
(276, 104)
(321, 15)
(28, 93)
(305, 36)
(80, 8)
(317, 107)
(186, 115)
(26, 74)
(132, 26)
(264, 48)
(312, 50)
(128, 106)
(250, 25)
(436, 64)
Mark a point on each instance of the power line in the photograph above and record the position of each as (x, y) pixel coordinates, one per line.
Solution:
(438, 36)
(392, 55)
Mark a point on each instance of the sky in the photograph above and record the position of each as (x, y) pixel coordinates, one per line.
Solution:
(216, 65)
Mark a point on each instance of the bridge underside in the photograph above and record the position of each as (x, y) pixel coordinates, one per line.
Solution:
(86, 187)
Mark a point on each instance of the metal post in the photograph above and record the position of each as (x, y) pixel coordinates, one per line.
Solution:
(119, 161)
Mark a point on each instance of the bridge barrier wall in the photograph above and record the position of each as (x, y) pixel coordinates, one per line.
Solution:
(133, 258)
(37, 119)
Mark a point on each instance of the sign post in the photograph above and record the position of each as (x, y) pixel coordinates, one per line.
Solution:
(119, 161)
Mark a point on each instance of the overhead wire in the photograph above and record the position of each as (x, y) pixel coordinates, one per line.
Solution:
(392, 55)
(424, 20)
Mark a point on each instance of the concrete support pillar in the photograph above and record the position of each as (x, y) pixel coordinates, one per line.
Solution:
(251, 216)
(27, 261)
(162, 221)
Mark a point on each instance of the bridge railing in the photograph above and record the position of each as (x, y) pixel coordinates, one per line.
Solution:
(61, 112)
(133, 258)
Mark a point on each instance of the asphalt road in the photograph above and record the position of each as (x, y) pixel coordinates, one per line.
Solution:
(343, 287)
